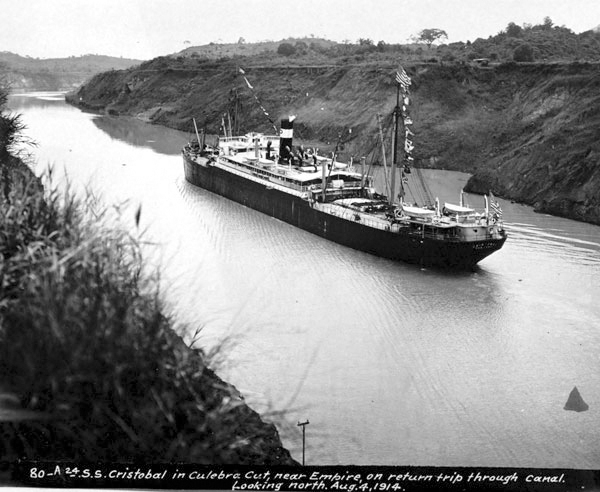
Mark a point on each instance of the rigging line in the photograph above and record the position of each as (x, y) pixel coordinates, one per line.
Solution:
(335, 153)
(372, 155)
(372, 144)
(426, 198)
(386, 179)
(412, 195)
(243, 73)
(418, 195)
(426, 188)
(415, 191)
(383, 155)
(374, 150)
(419, 191)
(426, 191)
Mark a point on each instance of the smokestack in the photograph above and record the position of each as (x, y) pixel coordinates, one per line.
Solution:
(286, 136)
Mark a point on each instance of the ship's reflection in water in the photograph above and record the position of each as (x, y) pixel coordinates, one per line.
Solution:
(390, 363)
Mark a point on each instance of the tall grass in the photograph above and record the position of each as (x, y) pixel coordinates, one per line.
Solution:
(85, 344)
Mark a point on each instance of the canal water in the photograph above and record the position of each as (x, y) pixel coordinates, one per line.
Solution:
(391, 364)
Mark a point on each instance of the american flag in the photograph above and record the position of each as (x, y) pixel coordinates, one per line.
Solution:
(494, 205)
(402, 78)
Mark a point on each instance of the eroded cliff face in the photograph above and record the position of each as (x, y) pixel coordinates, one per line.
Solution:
(549, 147)
(528, 132)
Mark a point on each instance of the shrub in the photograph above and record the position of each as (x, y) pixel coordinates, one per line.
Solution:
(523, 53)
(514, 31)
(301, 46)
(286, 49)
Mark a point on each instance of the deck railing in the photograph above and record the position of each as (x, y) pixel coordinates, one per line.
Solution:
(406, 228)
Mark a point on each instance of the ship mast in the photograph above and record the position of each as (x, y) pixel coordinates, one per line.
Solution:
(229, 121)
(334, 154)
(385, 170)
(404, 82)
(395, 147)
(197, 135)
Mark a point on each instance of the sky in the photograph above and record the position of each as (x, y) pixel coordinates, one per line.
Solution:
(144, 29)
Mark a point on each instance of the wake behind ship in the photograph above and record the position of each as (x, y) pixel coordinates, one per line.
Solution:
(333, 200)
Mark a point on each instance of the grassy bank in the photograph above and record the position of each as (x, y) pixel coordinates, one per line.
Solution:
(90, 366)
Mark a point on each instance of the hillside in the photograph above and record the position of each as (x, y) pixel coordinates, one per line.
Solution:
(25, 73)
(546, 152)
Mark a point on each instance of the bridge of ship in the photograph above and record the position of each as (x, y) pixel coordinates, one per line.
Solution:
(247, 143)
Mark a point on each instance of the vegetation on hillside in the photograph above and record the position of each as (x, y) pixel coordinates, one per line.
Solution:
(90, 367)
(241, 48)
(547, 42)
(430, 36)
(85, 63)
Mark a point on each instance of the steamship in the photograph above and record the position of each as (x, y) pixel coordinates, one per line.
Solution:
(338, 202)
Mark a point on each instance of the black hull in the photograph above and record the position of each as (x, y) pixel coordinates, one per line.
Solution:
(409, 247)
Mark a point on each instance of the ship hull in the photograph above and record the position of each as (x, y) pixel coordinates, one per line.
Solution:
(409, 247)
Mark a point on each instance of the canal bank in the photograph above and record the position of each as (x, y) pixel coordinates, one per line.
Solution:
(92, 367)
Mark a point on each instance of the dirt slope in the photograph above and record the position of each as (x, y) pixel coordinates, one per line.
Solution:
(526, 131)
(548, 153)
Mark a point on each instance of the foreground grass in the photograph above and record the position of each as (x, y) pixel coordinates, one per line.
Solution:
(87, 352)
